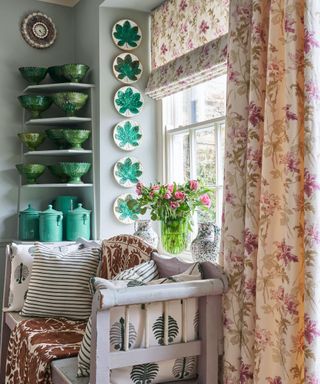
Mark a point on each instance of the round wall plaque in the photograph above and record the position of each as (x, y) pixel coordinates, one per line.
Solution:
(38, 30)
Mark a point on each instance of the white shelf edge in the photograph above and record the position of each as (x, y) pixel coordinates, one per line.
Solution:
(59, 152)
(58, 87)
(57, 185)
(58, 120)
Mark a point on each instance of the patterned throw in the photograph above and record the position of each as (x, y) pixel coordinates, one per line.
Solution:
(122, 252)
(35, 343)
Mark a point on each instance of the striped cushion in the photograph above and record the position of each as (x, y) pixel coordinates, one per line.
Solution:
(59, 283)
(142, 273)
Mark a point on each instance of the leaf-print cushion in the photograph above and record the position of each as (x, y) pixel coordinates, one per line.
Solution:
(159, 372)
(21, 266)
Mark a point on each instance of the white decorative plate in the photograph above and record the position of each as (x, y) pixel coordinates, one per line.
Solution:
(128, 101)
(121, 210)
(126, 34)
(127, 68)
(127, 171)
(127, 135)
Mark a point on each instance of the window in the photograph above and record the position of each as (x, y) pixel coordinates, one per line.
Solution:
(194, 122)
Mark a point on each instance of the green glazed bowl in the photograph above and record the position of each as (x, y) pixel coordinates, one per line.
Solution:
(35, 104)
(33, 75)
(32, 140)
(75, 72)
(56, 74)
(56, 135)
(76, 137)
(57, 171)
(31, 171)
(70, 102)
(75, 171)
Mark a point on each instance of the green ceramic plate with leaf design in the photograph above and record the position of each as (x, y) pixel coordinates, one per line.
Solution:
(127, 171)
(127, 68)
(127, 135)
(126, 34)
(121, 210)
(128, 101)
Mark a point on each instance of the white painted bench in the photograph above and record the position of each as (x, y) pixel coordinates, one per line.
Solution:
(208, 347)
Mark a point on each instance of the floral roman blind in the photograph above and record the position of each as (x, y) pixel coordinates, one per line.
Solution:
(189, 44)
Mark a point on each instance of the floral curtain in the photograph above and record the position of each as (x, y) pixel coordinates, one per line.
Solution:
(180, 26)
(271, 221)
(203, 64)
(188, 39)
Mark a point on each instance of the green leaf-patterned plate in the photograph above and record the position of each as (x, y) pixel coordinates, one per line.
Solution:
(126, 34)
(128, 101)
(121, 210)
(127, 171)
(127, 135)
(127, 68)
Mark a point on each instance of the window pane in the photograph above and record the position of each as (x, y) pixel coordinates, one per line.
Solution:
(206, 155)
(180, 158)
(200, 103)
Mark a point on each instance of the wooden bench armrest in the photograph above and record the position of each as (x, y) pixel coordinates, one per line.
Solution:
(108, 298)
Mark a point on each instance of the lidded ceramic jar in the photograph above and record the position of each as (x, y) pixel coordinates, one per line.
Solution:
(144, 230)
(29, 224)
(65, 204)
(205, 246)
(78, 223)
(50, 225)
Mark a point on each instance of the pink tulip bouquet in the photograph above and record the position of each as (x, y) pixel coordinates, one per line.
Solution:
(173, 205)
(171, 201)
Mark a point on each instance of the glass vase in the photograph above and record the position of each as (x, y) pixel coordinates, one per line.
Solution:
(175, 235)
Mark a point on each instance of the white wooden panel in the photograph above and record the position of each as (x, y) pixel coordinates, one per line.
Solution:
(162, 353)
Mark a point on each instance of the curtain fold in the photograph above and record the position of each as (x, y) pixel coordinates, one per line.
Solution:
(198, 66)
(272, 193)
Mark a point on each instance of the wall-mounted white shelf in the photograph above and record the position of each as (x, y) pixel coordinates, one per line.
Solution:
(58, 185)
(58, 120)
(57, 87)
(59, 152)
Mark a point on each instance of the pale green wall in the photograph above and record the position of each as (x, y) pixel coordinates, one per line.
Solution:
(97, 49)
(14, 52)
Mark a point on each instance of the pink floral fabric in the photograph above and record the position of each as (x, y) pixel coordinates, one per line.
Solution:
(180, 26)
(271, 234)
(198, 66)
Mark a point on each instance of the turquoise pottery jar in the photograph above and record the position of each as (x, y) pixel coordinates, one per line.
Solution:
(78, 224)
(29, 224)
(65, 204)
(50, 225)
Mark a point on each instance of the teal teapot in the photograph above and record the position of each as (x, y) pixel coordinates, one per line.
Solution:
(78, 224)
(29, 224)
(50, 225)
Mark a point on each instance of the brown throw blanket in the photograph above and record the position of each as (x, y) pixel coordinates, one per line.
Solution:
(35, 343)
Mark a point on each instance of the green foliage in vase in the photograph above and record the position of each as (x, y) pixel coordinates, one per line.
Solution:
(117, 335)
(185, 368)
(144, 373)
(171, 202)
(123, 209)
(128, 101)
(127, 34)
(158, 329)
(128, 171)
(128, 68)
(128, 135)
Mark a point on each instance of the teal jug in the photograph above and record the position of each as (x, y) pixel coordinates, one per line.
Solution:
(65, 204)
(78, 224)
(29, 224)
(50, 225)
